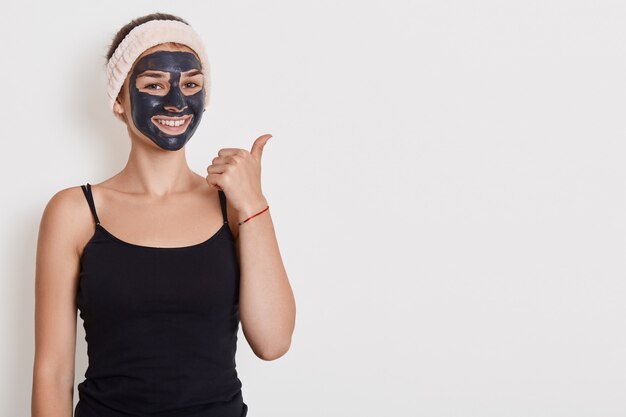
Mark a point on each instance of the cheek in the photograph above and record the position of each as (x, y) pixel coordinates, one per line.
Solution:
(196, 101)
(144, 103)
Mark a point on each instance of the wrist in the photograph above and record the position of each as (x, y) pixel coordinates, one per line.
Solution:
(251, 208)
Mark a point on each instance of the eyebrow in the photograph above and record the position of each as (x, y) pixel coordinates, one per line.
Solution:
(161, 75)
(151, 74)
(194, 72)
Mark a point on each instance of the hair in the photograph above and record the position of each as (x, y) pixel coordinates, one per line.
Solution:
(125, 30)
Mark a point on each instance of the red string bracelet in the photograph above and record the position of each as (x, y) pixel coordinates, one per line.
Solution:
(265, 209)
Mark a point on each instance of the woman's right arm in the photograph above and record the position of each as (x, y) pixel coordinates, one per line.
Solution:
(56, 279)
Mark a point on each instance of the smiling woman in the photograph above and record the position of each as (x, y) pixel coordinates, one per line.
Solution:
(160, 361)
(158, 289)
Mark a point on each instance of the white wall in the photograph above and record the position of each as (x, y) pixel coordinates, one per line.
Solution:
(446, 179)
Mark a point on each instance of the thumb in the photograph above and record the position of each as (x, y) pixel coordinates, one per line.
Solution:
(259, 144)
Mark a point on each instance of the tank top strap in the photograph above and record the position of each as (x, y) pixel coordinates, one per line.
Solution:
(87, 191)
(223, 205)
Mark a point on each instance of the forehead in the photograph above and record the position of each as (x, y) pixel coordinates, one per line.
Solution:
(164, 60)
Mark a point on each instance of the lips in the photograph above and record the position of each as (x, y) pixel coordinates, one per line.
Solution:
(172, 125)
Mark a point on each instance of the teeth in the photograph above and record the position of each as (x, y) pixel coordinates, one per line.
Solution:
(173, 123)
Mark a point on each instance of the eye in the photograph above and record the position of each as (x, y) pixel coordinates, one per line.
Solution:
(193, 84)
(149, 86)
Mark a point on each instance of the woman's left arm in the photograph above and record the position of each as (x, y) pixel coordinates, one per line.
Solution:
(266, 301)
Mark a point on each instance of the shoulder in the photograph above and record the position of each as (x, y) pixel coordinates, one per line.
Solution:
(65, 218)
(62, 206)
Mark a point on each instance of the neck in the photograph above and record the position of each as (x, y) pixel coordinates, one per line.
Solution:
(157, 172)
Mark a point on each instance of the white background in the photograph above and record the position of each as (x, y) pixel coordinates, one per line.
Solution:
(446, 180)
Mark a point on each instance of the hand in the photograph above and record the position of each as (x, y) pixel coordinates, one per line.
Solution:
(237, 172)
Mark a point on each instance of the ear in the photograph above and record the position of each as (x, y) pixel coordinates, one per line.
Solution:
(117, 106)
(119, 110)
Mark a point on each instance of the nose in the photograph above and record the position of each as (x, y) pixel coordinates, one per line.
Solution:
(175, 99)
(175, 109)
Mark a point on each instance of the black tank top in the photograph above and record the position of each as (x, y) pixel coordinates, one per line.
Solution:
(160, 325)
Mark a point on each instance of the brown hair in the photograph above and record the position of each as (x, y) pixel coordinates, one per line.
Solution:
(121, 34)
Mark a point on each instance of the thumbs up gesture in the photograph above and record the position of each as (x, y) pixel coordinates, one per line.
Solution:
(237, 172)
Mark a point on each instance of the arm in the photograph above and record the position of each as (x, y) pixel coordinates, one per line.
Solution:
(266, 301)
(267, 308)
(56, 277)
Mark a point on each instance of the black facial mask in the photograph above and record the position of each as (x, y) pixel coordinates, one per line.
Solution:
(145, 106)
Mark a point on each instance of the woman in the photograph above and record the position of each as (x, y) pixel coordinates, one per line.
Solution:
(161, 262)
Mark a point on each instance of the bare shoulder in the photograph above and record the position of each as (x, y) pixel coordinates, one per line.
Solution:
(66, 220)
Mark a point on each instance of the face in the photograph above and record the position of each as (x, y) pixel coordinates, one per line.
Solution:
(167, 96)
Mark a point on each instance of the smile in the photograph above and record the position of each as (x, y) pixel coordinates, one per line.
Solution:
(172, 125)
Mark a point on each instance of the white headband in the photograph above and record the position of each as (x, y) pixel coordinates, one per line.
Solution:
(145, 36)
